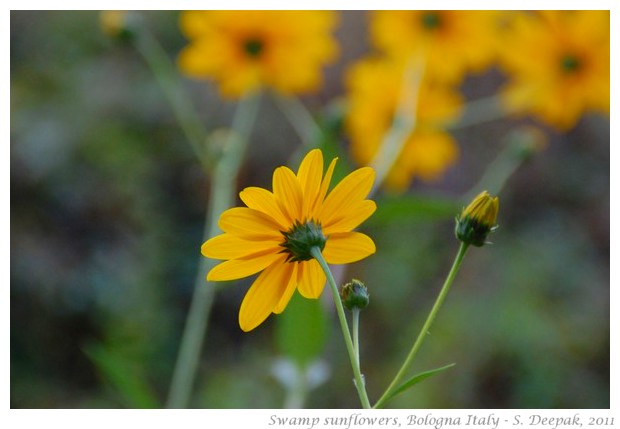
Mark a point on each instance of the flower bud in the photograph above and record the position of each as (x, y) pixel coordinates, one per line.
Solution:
(117, 24)
(477, 219)
(354, 295)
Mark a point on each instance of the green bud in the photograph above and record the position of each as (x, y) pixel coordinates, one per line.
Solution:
(354, 295)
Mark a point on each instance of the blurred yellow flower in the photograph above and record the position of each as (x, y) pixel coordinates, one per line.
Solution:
(453, 42)
(275, 232)
(558, 65)
(246, 50)
(374, 91)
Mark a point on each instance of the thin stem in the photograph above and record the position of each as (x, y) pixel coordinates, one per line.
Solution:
(425, 328)
(480, 111)
(223, 187)
(355, 322)
(403, 124)
(296, 394)
(300, 119)
(166, 74)
(359, 378)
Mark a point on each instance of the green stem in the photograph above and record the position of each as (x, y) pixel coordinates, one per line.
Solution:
(166, 75)
(300, 119)
(359, 378)
(223, 188)
(425, 328)
(403, 124)
(480, 111)
(355, 322)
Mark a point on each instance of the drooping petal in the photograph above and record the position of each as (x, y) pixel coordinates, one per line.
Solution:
(239, 268)
(350, 191)
(288, 293)
(309, 175)
(349, 218)
(288, 193)
(264, 201)
(265, 294)
(311, 279)
(227, 246)
(347, 247)
(249, 224)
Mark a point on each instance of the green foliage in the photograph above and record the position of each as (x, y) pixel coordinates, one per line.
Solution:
(116, 370)
(418, 378)
(301, 330)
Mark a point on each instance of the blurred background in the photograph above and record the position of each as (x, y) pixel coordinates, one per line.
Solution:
(107, 213)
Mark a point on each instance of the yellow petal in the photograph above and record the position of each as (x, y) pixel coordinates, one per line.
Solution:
(264, 201)
(349, 218)
(350, 191)
(311, 279)
(239, 268)
(309, 176)
(249, 224)
(347, 247)
(264, 294)
(226, 246)
(288, 193)
(318, 203)
(288, 293)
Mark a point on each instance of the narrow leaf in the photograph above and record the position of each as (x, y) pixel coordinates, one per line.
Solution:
(418, 378)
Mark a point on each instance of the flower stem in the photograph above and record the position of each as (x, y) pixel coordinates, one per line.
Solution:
(355, 322)
(424, 331)
(353, 357)
(403, 124)
(165, 72)
(480, 111)
(221, 197)
(300, 119)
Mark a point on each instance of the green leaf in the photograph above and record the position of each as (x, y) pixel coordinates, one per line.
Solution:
(122, 376)
(418, 378)
(301, 330)
(403, 208)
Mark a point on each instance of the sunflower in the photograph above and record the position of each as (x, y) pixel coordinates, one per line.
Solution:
(373, 93)
(247, 50)
(454, 41)
(558, 64)
(275, 232)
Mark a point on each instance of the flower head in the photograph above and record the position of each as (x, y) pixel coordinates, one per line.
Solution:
(275, 232)
(558, 65)
(246, 50)
(453, 41)
(478, 219)
(373, 96)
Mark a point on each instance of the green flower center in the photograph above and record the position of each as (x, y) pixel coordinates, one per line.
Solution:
(570, 63)
(430, 20)
(253, 47)
(300, 239)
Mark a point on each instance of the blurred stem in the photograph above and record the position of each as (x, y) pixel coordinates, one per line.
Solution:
(424, 331)
(296, 395)
(479, 111)
(166, 74)
(360, 385)
(300, 119)
(522, 144)
(223, 188)
(403, 124)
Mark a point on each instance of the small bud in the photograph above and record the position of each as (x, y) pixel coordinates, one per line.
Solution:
(354, 295)
(477, 220)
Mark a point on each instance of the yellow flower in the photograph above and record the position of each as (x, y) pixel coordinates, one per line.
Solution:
(374, 91)
(246, 50)
(478, 219)
(558, 65)
(276, 230)
(453, 41)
